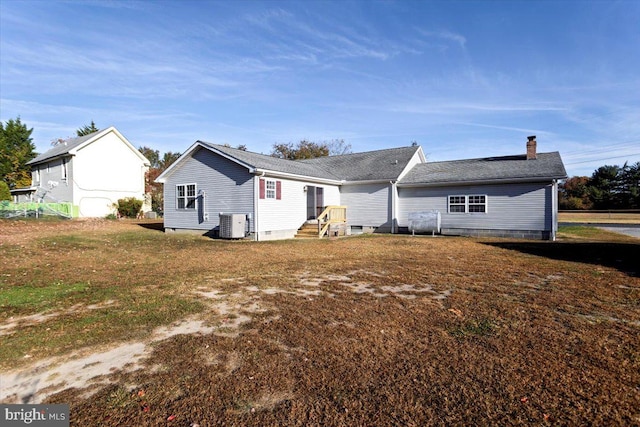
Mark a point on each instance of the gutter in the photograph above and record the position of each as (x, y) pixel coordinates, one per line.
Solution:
(370, 181)
(484, 182)
(306, 178)
(48, 159)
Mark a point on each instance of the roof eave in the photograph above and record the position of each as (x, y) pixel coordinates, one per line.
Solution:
(371, 181)
(48, 159)
(483, 181)
(23, 189)
(285, 175)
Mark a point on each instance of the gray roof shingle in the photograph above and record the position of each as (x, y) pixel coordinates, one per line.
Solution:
(266, 162)
(488, 169)
(377, 165)
(372, 165)
(61, 149)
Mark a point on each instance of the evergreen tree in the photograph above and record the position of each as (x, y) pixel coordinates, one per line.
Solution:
(87, 129)
(16, 149)
(5, 193)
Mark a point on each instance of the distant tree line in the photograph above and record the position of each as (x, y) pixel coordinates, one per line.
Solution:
(609, 187)
(306, 149)
(157, 164)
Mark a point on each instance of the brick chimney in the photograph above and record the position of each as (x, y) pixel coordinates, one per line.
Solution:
(531, 147)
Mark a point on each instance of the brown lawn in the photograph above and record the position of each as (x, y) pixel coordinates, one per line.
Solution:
(134, 327)
(589, 217)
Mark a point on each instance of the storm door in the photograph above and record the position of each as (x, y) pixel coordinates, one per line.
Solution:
(315, 201)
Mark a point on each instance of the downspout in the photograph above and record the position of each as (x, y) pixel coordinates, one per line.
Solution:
(256, 203)
(393, 206)
(554, 208)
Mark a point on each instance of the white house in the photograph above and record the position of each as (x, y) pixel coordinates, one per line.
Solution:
(91, 172)
(497, 196)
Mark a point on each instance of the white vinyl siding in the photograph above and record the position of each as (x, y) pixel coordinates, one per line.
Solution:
(289, 213)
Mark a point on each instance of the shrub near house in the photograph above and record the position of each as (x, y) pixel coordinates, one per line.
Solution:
(129, 207)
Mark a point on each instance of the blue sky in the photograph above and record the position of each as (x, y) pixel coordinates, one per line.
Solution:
(464, 79)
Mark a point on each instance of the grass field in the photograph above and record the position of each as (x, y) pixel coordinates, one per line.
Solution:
(599, 217)
(134, 327)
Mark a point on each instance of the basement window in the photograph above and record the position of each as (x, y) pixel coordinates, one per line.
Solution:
(476, 203)
(186, 196)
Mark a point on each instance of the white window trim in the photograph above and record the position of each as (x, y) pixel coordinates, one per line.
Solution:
(270, 193)
(186, 197)
(466, 204)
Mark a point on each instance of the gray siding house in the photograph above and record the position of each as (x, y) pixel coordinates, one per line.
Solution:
(513, 196)
(90, 172)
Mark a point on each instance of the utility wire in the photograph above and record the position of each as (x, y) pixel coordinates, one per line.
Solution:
(606, 158)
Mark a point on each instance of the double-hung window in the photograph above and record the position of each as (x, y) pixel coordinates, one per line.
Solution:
(457, 204)
(476, 203)
(186, 196)
(271, 189)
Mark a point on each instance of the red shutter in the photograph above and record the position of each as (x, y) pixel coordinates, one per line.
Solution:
(278, 190)
(262, 189)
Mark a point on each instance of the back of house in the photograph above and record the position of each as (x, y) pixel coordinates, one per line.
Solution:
(495, 196)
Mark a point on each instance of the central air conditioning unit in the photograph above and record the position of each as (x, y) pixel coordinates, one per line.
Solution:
(233, 226)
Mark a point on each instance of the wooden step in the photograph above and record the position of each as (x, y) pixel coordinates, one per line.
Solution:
(308, 231)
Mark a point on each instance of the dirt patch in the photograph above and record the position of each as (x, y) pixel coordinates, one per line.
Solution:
(33, 384)
(14, 322)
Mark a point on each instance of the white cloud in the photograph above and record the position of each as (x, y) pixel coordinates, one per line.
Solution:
(446, 36)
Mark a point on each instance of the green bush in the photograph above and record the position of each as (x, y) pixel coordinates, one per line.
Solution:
(5, 194)
(129, 207)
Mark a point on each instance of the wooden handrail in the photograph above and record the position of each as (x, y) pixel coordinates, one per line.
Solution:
(331, 215)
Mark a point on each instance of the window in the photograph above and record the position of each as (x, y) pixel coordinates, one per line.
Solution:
(477, 203)
(457, 204)
(271, 189)
(185, 196)
(64, 169)
(468, 204)
(36, 175)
